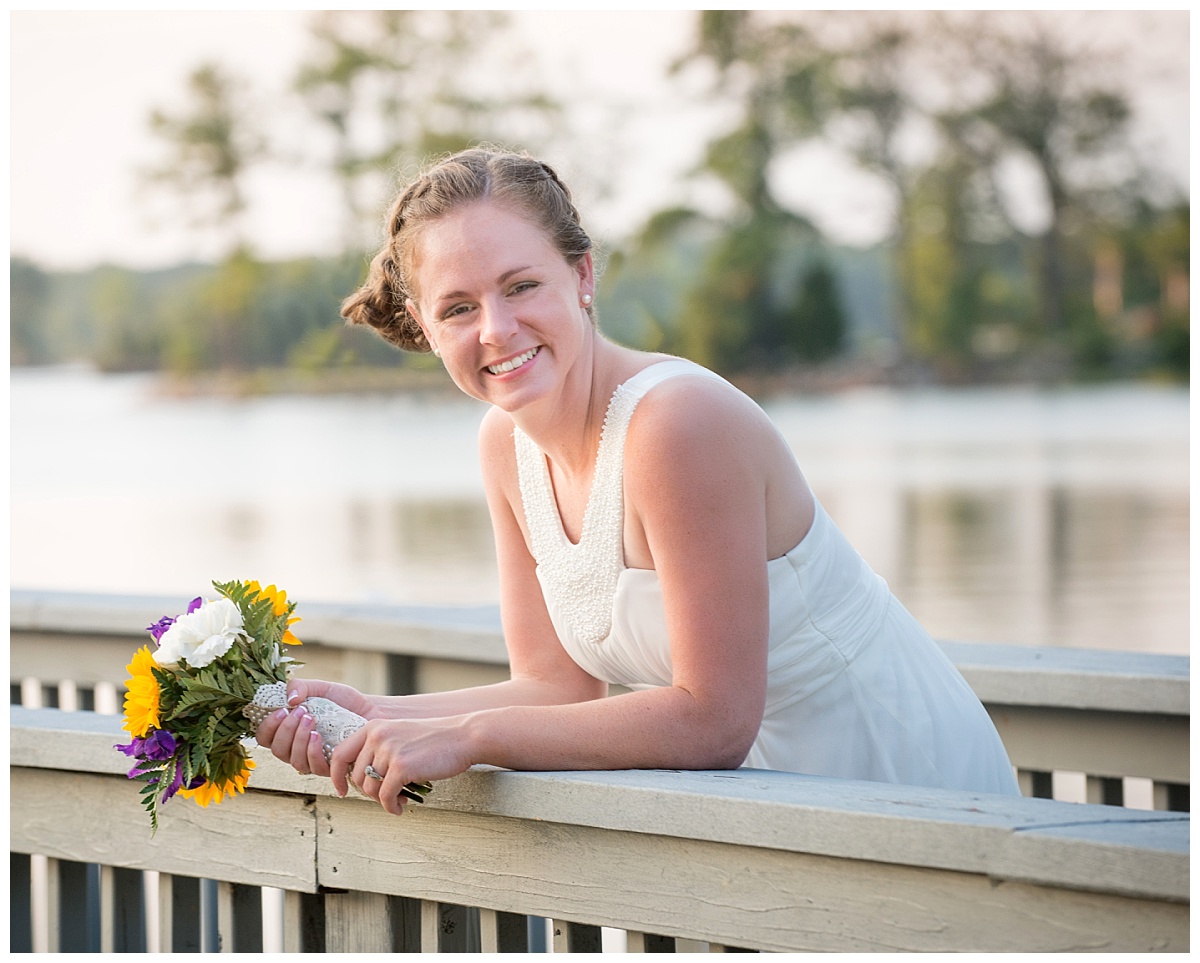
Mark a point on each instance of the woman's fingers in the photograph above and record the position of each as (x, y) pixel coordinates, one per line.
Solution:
(317, 763)
(344, 759)
(304, 728)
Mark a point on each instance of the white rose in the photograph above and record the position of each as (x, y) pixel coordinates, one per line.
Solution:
(201, 636)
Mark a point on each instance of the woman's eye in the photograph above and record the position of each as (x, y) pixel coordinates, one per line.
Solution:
(457, 310)
(522, 286)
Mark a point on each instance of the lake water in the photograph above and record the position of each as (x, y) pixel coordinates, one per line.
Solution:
(1025, 516)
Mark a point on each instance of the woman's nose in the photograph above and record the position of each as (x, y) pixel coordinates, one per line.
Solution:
(497, 323)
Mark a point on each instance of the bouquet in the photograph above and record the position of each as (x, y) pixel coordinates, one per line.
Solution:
(195, 699)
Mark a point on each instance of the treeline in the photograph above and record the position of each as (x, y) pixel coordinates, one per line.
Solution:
(939, 110)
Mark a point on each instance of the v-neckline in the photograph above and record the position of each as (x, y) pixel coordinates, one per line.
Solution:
(589, 505)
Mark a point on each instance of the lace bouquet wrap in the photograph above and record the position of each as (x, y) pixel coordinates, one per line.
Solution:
(194, 700)
(334, 722)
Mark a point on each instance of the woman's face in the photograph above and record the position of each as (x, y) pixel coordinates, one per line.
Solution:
(500, 304)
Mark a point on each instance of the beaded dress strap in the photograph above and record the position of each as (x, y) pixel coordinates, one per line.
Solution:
(583, 577)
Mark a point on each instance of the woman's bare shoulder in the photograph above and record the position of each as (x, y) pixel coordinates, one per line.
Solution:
(690, 413)
(497, 454)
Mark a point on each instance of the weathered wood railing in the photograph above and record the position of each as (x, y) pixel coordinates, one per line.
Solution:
(1105, 727)
(1095, 726)
(757, 860)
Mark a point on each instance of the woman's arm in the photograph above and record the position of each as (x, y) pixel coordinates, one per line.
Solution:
(697, 489)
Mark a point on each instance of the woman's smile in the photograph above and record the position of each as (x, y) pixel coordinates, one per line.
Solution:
(512, 364)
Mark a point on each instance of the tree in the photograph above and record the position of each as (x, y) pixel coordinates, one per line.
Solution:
(211, 146)
(818, 323)
(28, 288)
(394, 87)
(741, 308)
(1055, 104)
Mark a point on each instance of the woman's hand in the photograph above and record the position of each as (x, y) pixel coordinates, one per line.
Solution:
(291, 734)
(401, 751)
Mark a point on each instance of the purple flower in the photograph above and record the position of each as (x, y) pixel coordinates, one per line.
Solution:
(159, 746)
(159, 627)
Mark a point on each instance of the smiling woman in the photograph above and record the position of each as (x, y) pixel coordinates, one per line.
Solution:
(652, 529)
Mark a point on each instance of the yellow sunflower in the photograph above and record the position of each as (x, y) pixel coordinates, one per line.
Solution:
(211, 792)
(141, 697)
(279, 601)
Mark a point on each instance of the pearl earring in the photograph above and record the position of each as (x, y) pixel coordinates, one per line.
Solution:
(436, 353)
(587, 299)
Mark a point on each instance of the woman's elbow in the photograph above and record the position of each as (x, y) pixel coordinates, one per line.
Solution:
(729, 743)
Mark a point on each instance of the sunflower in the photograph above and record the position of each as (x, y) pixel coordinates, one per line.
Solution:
(279, 601)
(141, 699)
(211, 792)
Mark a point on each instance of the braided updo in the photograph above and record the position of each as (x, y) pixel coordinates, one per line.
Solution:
(529, 186)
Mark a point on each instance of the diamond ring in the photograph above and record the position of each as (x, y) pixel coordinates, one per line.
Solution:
(373, 772)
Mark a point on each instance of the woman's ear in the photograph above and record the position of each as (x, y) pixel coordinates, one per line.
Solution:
(414, 312)
(587, 276)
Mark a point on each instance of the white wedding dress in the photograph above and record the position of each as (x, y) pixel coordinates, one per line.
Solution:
(856, 689)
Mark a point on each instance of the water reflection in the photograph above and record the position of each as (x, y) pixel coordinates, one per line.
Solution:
(1022, 517)
(1048, 566)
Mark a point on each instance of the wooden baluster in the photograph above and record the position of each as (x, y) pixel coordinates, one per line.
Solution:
(53, 906)
(108, 908)
(357, 922)
(303, 922)
(431, 925)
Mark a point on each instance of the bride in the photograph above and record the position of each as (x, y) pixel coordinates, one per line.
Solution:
(652, 530)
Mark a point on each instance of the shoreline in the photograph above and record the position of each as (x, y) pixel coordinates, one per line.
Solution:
(430, 380)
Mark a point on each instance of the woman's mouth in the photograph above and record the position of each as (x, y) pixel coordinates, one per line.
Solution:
(513, 363)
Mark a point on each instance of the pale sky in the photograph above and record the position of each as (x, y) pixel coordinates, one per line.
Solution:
(83, 84)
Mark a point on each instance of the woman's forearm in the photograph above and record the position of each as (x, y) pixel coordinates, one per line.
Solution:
(662, 728)
(459, 702)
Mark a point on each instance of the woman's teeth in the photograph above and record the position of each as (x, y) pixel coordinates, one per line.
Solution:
(512, 363)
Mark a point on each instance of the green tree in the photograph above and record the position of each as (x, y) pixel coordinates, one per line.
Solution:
(125, 338)
(394, 87)
(818, 323)
(1056, 104)
(742, 306)
(211, 146)
(28, 292)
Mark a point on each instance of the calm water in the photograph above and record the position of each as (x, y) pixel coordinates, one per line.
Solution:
(1022, 516)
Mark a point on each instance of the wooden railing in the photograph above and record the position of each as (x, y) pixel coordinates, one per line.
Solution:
(1079, 725)
(664, 860)
(642, 860)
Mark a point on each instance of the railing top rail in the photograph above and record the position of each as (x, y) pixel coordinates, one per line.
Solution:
(999, 674)
(1094, 848)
